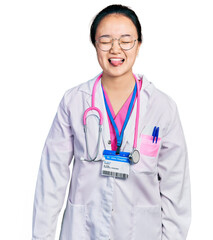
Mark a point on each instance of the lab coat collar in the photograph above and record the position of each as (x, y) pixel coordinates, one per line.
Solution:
(145, 93)
(147, 86)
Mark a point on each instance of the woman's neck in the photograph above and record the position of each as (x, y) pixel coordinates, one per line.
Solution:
(118, 84)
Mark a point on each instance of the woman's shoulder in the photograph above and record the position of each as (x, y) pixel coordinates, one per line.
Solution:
(82, 87)
(154, 93)
(158, 101)
(77, 91)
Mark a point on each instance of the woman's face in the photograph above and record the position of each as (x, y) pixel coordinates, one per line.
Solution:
(116, 62)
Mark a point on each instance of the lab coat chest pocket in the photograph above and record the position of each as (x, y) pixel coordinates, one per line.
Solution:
(148, 154)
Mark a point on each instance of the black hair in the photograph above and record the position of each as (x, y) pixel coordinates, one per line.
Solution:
(115, 9)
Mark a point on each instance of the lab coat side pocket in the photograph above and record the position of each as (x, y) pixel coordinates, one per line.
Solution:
(74, 222)
(147, 223)
(148, 154)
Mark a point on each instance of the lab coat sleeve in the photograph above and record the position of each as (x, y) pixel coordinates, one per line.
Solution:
(53, 175)
(174, 181)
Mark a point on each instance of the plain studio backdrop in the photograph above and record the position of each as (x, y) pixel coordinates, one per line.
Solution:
(45, 50)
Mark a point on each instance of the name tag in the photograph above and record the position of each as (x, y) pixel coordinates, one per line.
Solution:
(115, 165)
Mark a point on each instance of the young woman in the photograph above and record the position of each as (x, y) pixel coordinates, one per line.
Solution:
(130, 178)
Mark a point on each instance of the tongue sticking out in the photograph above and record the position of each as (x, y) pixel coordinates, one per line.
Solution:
(116, 62)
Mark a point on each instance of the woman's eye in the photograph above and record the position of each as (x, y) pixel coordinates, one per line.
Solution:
(105, 42)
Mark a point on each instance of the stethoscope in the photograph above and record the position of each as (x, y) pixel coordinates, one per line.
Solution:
(134, 156)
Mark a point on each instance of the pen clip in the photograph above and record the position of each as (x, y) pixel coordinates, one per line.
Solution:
(156, 134)
(153, 134)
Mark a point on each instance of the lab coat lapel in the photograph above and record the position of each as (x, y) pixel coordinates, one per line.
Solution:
(129, 132)
(101, 105)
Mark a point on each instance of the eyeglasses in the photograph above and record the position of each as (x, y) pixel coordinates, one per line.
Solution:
(105, 43)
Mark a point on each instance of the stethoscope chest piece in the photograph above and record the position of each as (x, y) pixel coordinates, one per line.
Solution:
(134, 156)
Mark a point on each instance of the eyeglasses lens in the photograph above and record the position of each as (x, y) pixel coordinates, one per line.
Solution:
(126, 43)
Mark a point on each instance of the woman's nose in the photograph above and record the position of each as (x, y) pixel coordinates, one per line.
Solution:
(115, 46)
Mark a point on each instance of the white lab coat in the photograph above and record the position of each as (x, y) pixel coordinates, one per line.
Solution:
(152, 204)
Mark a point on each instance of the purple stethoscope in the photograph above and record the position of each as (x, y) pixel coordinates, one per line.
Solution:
(134, 156)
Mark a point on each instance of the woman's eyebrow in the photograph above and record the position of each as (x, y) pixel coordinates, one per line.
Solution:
(105, 35)
(123, 35)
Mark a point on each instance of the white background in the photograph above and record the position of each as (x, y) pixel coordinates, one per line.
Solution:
(45, 50)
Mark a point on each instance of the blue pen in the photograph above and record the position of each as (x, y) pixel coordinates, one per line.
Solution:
(156, 134)
(153, 134)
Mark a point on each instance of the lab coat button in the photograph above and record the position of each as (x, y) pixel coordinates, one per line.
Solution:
(109, 142)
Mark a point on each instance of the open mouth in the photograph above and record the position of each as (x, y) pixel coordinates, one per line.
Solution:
(116, 61)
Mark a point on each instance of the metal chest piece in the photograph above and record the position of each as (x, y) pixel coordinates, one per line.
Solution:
(134, 157)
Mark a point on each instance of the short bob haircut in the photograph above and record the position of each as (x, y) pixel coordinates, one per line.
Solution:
(115, 9)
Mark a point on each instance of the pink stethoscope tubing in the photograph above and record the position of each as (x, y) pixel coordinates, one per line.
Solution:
(101, 115)
(93, 103)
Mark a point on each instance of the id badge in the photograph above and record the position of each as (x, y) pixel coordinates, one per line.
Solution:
(115, 165)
